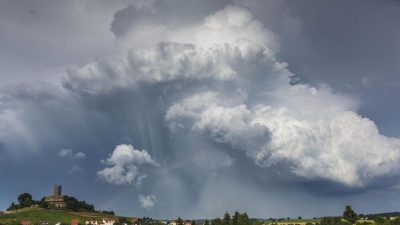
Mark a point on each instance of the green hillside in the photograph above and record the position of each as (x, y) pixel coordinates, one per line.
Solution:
(37, 215)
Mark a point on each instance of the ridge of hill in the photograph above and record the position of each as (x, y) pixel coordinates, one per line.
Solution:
(38, 215)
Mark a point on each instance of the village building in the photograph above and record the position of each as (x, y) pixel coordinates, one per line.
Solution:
(294, 223)
(56, 200)
(26, 222)
(135, 221)
(75, 222)
(184, 222)
(103, 221)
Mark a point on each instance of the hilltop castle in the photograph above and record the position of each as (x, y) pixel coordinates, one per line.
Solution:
(56, 200)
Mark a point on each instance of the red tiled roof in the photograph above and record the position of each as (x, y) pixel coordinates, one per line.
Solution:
(75, 222)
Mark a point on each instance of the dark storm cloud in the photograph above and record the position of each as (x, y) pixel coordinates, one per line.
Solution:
(338, 42)
(353, 46)
(193, 110)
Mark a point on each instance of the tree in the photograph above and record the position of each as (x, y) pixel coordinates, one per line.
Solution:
(122, 220)
(235, 218)
(216, 221)
(179, 221)
(396, 221)
(75, 205)
(193, 222)
(43, 203)
(206, 222)
(332, 221)
(227, 219)
(379, 220)
(25, 200)
(244, 219)
(107, 212)
(12, 207)
(349, 215)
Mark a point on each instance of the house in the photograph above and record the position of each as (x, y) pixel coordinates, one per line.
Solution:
(135, 221)
(104, 221)
(26, 222)
(107, 222)
(92, 222)
(75, 222)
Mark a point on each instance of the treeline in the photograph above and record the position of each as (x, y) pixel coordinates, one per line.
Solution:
(75, 205)
(236, 219)
(24, 200)
(350, 217)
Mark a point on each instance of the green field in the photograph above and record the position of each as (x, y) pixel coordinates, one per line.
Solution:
(292, 221)
(37, 215)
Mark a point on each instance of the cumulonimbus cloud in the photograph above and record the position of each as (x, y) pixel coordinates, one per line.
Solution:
(244, 97)
(221, 79)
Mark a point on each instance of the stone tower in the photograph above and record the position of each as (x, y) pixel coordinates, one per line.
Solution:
(57, 190)
(56, 200)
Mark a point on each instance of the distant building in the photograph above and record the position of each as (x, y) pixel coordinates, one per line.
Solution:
(75, 222)
(104, 221)
(135, 221)
(56, 200)
(92, 222)
(107, 222)
(26, 222)
(294, 223)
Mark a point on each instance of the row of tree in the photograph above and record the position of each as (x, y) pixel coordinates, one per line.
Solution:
(236, 219)
(350, 217)
(24, 200)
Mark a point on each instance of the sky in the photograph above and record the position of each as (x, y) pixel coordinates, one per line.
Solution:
(170, 108)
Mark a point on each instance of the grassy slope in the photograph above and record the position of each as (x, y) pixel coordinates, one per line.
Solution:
(36, 215)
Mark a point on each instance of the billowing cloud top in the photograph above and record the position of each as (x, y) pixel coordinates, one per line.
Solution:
(221, 78)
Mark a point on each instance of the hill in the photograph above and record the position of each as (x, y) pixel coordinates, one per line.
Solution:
(37, 215)
(387, 214)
